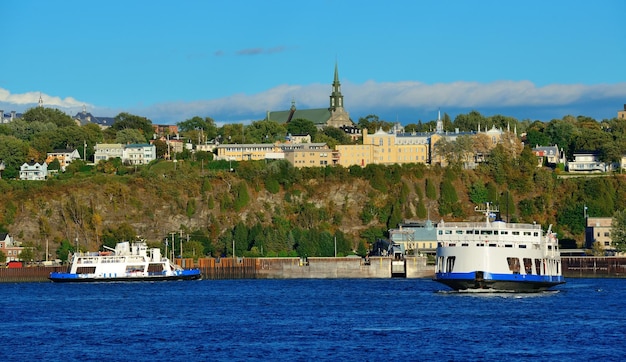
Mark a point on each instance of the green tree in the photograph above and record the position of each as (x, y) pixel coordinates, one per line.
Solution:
(478, 193)
(431, 189)
(27, 254)
(241, 196)
(301, 126)
(128, 135)
(13, 152)
(265, 132)
(129, 121)
(54, 165)
(373, 123)
(48, 115)
(618, 230)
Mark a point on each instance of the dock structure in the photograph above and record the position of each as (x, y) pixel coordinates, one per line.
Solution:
(321, 267)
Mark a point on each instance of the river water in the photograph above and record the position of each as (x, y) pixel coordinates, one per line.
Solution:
(303, 320)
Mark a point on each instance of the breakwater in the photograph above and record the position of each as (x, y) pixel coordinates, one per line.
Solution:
(329, 268)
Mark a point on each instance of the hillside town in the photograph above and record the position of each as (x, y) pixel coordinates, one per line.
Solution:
(393, 145)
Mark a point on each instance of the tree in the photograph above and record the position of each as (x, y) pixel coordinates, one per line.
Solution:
(54, 165)
(618, 230)
(478, 193)
(373, 123)
(161, 148)
(265, 132)
(302, 127)
(13, 152)
(198, 130)
(48, 115)
(336, 134)
(468, 122)
(129, 121)
(128, 135)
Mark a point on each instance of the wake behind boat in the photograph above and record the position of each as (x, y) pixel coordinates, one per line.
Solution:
(127, 262)
(497, 256)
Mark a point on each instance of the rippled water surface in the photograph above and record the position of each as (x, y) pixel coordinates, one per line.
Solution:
(331, 319)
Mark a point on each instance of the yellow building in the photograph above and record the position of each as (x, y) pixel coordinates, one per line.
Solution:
(311, 156)
(622, 114)
(298, 154)
(598, 233)
(399, 147)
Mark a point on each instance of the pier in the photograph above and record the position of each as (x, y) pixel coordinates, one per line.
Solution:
(329, 268)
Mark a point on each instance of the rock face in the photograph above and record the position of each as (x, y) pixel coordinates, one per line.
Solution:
(82, 210)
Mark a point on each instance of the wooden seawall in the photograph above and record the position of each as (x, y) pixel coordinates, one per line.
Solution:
(289, 268)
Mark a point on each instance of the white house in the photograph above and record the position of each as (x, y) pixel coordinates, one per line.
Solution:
(65, 157)
(587, 162)
(105, 151)
(34, 171)
(139, 154)
(10, 247)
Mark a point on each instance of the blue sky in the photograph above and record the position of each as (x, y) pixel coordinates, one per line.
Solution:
(234, 60)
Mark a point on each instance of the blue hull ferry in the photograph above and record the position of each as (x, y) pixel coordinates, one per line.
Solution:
(127, 262)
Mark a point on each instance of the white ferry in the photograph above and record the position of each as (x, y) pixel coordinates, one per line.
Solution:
(127, 262)
(497, 256)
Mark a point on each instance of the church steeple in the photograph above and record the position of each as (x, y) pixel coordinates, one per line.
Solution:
(336, 98)
(439, 123)
(40, 101)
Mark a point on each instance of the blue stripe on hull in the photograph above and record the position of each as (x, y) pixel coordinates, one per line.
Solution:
(505, 282)
(188, 274)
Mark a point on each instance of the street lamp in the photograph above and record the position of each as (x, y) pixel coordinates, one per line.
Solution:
(2, 167)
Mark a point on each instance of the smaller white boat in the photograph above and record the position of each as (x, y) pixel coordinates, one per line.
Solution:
(127, 262)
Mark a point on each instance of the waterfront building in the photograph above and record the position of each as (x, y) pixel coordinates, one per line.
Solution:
(415, 237)
(10, 247)
(598, 234)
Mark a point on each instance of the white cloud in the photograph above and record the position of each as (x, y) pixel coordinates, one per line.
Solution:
(409, 98)
(32, 98)
(372, 97)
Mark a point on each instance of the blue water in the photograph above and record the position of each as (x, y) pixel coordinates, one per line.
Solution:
(303, 320)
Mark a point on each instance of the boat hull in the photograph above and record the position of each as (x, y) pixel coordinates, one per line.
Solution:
(480, 280)
(81, 278)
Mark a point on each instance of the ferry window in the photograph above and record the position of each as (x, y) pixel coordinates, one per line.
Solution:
(538, 266)
(508, 245)
(440, 232)
(469, 232)
(481, 244)
(526, 233)
(504, 233)
(464, 244)
(535, 234)
(495, 232)
(528, 265)
(450, 264)
(448, 232)
(492, 245)
(486, 232)
(522, 246)
(515, 232)
(513, 265)
(459, 232)
(549, 247)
